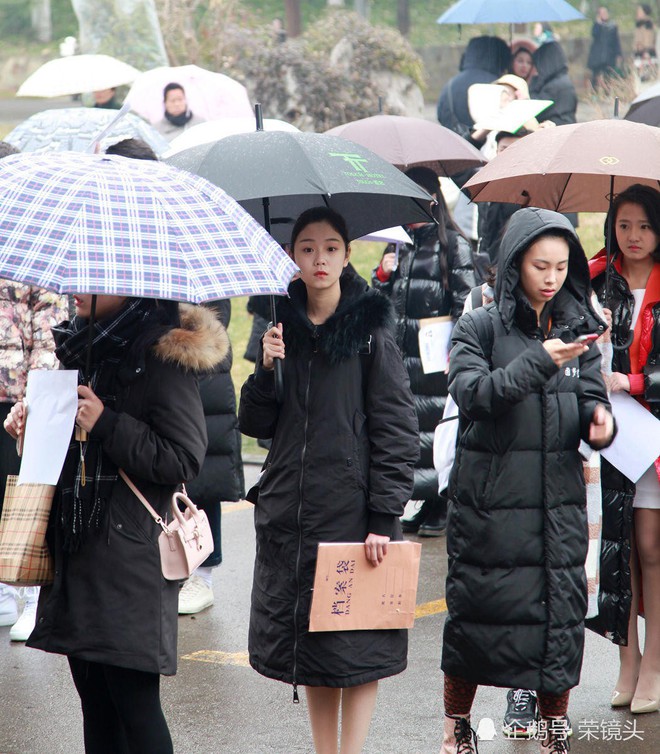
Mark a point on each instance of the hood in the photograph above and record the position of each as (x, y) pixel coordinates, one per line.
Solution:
(199, 345)
(550, 62)
(524, 227)
(487, 53)
(361, 310)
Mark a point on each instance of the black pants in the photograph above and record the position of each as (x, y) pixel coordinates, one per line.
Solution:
(121, 709)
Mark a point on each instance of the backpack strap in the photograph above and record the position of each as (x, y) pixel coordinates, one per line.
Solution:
(485, 331)
(476, 297)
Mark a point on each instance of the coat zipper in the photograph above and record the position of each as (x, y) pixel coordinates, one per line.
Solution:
(296, 699)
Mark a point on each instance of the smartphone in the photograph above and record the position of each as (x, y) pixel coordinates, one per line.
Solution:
(588, 338)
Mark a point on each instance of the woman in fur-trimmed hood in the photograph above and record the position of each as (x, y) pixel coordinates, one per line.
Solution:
(340, 469)
(109, 609)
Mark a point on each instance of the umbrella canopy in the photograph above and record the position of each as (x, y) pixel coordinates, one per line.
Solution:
(509, 12)
(87, 223)
(412, 142)
(646, 107)
(212, 130)
(74, 129)
(77, 74)
(397, 235)
(297, 171)
(209, 95)
(572, 168)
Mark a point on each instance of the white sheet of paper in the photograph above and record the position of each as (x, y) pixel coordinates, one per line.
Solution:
(637, 443)
(434, 341)
(52, 401)
(514, 115)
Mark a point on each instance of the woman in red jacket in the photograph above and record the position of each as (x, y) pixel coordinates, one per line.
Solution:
(634, 303)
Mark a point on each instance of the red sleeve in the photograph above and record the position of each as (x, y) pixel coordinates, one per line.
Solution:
(382, 275)
(636, 384)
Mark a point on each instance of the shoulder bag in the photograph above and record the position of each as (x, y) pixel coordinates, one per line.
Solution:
(186, 541)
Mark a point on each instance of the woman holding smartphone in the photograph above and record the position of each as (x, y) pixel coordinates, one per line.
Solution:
(630, 560)
(517, 528)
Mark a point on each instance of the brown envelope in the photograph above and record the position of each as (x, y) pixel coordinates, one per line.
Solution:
(350, 594)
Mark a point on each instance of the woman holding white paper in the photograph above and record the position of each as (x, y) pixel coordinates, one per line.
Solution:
(340, 469)
(630, 559)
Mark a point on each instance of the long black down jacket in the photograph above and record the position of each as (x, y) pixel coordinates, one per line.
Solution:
(109, 602)
(340, 466)
(517, 527)
(417, 291)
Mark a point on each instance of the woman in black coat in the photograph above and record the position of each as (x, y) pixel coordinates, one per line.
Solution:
(340, 469)
(528, 392)
(553, 82)
(431, 278)
(110, 610)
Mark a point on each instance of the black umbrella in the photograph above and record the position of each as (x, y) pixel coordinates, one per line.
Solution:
(276, 175)
(646, 107)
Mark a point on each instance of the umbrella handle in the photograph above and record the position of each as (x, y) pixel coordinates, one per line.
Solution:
(279, 380)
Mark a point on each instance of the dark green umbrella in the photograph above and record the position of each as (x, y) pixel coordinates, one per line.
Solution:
(296, 171)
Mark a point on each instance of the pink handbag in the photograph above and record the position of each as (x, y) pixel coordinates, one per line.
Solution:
(186, 541)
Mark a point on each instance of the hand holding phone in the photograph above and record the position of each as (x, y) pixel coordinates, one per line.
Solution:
(589, 338)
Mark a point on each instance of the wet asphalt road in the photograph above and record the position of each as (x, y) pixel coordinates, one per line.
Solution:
(216, 704)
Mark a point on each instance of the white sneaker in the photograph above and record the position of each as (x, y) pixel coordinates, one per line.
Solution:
(194, 596)
(24, 626)
(8, 605)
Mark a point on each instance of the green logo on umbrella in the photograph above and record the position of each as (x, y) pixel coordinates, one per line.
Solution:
(356, 161)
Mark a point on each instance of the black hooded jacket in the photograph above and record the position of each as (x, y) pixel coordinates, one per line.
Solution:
(484, 59)
(517, 527)
(553, 82)
(340, 466)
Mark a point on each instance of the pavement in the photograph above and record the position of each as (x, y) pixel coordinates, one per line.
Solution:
(216, 704)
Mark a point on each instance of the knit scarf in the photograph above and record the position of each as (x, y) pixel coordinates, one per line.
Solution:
(88, 474)
(179, 120)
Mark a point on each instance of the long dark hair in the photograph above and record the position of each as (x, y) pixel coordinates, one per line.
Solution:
(428, 180)
(648, 198)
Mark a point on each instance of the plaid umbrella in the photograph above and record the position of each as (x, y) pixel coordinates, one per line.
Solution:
(83, 223)
(74, 128)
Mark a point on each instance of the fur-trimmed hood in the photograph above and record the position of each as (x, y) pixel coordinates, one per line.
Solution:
(361, 310)
(199, 345)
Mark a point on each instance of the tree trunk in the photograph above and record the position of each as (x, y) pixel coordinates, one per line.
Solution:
(403, 16)
(362, 7)
(41, 20)
(293, 18)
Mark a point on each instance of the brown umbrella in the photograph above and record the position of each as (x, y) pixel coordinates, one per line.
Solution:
(412, 142)
(573, 168)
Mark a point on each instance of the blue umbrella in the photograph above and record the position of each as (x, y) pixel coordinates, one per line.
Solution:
(509, 12)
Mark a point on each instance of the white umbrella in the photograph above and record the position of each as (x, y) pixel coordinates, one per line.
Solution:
(209, 95)
(212, 130)
(77, 74)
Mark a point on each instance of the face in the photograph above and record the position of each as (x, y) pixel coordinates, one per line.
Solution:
(634, 234)
(101, 96)
(321, 254)
(106, 306)
(175, 102)
(522, 64)
(603, 13)
(543, 270)
(505, 142)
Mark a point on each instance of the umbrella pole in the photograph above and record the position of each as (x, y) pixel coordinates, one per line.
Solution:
(81, 434)
(608, 261)
(277, 363)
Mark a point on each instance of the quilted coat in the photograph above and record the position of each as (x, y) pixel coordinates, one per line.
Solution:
(517, 527)
(340, 466)
(109, 602)
(417, 291)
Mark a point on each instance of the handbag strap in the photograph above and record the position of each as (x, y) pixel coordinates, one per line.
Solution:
(143, 500)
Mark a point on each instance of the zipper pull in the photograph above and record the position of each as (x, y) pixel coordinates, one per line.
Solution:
(296, 698)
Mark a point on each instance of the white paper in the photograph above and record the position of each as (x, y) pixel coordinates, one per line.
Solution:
(513, 116)
(637, 443)
(434, 343)
(52, 402)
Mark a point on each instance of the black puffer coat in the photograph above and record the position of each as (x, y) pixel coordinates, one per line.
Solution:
(553, 82)
(340, 466)
(417, 291)
(517, 526)
(221, 476)
(110, 603)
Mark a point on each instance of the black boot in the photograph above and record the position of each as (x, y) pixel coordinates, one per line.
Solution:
(435, 521)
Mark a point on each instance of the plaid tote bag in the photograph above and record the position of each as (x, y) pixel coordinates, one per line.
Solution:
(24, 556)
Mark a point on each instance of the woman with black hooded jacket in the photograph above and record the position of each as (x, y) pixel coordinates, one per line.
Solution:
(553, 82)
(528, 392)
(340, 469)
